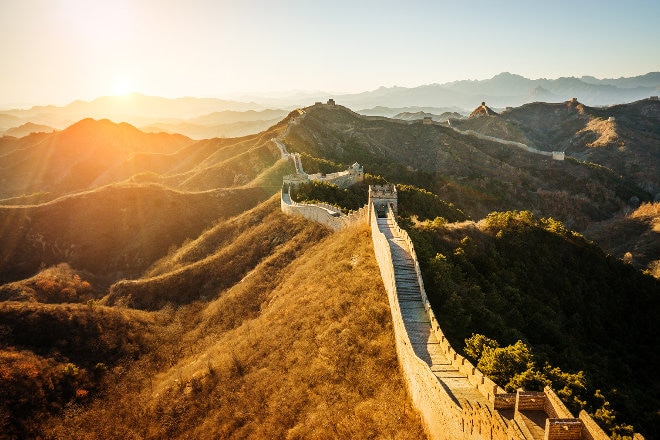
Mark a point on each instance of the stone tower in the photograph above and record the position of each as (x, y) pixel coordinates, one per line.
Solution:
(383, 196)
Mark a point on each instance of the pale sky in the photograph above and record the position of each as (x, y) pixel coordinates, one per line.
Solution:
(57, 51)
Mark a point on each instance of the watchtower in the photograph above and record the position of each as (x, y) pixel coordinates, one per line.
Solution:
(383, 196)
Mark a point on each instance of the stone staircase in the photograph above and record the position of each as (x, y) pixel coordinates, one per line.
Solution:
(417, 323)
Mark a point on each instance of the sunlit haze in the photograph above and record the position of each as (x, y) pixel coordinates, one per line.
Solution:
(57, 51)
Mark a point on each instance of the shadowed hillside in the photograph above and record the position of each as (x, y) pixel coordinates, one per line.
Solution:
(624, 138)
(477, 175)
(114, 231)
(54, 356)
(514, 277)
(635, 238)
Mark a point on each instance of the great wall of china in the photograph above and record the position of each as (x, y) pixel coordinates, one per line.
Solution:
(557, 155)
(455, 400)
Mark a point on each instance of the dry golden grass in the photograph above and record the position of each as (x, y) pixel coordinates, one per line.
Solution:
(57, 284)
(218, 259)
(57, 355)
(302, 347)
(647, 210)
(602, 131)
(633, 237)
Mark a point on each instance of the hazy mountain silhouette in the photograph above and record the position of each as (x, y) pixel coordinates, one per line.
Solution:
(509, 90)
(135, 108)
(26, 129)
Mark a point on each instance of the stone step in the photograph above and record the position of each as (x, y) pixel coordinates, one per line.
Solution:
(416, 320)
(415, 314)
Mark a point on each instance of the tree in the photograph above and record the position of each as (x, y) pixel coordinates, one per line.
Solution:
(477, 343)
(502, 364)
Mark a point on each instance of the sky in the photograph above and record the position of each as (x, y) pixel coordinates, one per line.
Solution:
(58, 51)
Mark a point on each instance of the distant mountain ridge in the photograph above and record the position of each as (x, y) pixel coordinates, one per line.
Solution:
(136, 109)
(502, 90)
(510, 90)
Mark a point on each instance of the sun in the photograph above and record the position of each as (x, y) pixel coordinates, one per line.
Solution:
(122, 87)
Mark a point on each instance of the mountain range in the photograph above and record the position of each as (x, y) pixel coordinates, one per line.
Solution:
(502, 90)
(150, 285)
(194, 117)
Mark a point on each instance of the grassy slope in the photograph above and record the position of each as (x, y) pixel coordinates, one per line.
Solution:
(279, 353)
(54, 355)
(114, 231)
(633, 237)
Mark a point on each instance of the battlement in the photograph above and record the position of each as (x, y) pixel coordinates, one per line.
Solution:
(383, 197)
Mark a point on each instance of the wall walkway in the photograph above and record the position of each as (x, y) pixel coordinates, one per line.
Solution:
(417, 321)
(455, 400)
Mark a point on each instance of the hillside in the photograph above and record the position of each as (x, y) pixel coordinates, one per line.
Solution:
(72, 159)
(110, 199)
(514, 277)
(114, 231)
(265, 352)
(633, 237)
(167, 278)
(624, 138)
(180, 229)
(478, 176)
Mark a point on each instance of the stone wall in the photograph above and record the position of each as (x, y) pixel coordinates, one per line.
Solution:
(530, 401)
(325, 214)
(556, 155)
(440, 413)
(591, 431)
(342, 179)
(442, 416)
(563, 429)
(486, 387)
(554, 407)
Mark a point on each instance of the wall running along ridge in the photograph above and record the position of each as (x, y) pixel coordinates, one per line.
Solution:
(328, 215)
(499, 415)
(438, 410)
(557, 155)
